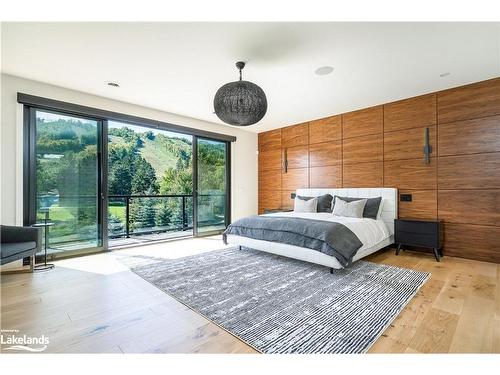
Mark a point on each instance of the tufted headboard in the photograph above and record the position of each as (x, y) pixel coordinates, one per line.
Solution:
(389, 199)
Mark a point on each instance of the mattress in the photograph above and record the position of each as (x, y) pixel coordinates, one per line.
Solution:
(373, 234)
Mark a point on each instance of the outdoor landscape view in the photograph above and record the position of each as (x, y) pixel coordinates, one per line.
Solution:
(149, 181)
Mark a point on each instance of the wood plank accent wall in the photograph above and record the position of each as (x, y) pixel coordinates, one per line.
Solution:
(383, 146)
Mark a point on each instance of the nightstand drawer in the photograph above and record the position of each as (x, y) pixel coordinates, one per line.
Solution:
(418, 227)
(417, 239)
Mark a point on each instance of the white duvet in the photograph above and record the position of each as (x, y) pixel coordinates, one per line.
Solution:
(369, 231)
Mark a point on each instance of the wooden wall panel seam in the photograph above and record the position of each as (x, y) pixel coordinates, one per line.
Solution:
(466, 119)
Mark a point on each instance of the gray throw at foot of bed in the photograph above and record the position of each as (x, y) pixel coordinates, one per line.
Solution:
(283, 305)
(328, 237)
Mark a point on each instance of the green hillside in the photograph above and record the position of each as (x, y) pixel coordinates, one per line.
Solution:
(163, 152)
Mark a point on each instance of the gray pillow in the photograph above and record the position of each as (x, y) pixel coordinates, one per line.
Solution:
(324, 202)
(301, 205)
(371, 207)
(349, 209)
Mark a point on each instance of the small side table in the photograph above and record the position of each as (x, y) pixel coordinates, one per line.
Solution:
(45, 266)
(421, 233)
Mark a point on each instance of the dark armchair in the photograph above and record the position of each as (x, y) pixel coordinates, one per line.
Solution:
(19, 242)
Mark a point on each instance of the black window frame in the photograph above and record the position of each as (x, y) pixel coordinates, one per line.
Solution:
(31, 103)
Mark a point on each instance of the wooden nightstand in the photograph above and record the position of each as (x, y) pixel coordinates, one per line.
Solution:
(423, 233)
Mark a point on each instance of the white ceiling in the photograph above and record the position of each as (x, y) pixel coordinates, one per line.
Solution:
(178, 67)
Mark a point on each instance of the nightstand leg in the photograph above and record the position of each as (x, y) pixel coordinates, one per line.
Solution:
(398, 249)
(436, 254)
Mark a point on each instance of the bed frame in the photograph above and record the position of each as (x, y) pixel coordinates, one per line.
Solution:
(389, 207)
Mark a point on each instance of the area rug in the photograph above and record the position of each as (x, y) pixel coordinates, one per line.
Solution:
(281, 305)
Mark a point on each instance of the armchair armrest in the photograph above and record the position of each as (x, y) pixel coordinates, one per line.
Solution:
(9, 234)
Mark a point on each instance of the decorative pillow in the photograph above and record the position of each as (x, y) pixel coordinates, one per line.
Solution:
(371, 208)
(349, 209)
(301, 205)
(324, 202)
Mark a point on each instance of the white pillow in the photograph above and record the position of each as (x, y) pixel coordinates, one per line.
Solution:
(349, 209)
(301, 205)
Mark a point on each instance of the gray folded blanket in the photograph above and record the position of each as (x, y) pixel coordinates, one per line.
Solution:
(327, 237)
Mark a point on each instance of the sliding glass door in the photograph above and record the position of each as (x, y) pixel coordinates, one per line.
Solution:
(100, 183)
(211, 186)
(150, 184)
(66, 175)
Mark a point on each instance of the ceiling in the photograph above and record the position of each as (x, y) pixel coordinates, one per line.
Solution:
(178, 67)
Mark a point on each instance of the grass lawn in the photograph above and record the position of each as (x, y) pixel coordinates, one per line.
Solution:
(117, 211)
(68, 213)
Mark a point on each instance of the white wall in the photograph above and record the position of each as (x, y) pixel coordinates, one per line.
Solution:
(244, 150)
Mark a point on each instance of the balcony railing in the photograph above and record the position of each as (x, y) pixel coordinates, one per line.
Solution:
(145, 214)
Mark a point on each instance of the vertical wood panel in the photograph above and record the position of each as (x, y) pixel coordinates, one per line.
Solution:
(470, 136)
(422, 206)
(269, 180)
(363, 149)
(322, 154)
(325, 177)
(363, 122)
(286, 200)
(362, 175)
(467, 102)
(408, 144)
(470, 207)
(472, 241)
(269, 200)
(325, 130)
(295, 179)
(410, 113)
(481, 171)
(270, 159)
(297, 156)
(410, 174)
(296, 135)
(270, 140)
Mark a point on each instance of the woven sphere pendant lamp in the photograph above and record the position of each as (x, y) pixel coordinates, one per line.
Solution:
(240, 103)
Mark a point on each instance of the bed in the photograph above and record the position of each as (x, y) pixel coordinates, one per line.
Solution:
(373, 234)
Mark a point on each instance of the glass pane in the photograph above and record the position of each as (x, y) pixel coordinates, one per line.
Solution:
(67, 180)
(211, 209)
(150, 184)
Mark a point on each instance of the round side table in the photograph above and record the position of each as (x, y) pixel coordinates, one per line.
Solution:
(45, 266)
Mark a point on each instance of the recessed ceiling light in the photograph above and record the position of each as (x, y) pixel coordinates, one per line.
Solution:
(324, 70)
(113, 84)
(445, 74)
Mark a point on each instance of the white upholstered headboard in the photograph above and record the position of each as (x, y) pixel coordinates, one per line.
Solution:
(389, 199)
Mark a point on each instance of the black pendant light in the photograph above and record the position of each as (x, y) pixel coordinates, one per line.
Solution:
(240, 103)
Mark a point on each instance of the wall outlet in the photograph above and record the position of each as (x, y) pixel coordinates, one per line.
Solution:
(405, 197)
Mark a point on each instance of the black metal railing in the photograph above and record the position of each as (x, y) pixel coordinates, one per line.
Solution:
(146, 214)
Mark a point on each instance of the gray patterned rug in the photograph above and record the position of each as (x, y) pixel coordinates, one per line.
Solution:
(282, 305)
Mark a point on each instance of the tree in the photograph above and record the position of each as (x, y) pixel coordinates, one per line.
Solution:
(142, 212)
(144, 177)
(120, 179)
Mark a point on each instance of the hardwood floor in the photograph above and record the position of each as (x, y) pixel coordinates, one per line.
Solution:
(93, 304)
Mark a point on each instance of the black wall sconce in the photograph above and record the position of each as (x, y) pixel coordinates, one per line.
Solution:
(427, 147)
(285, 160)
